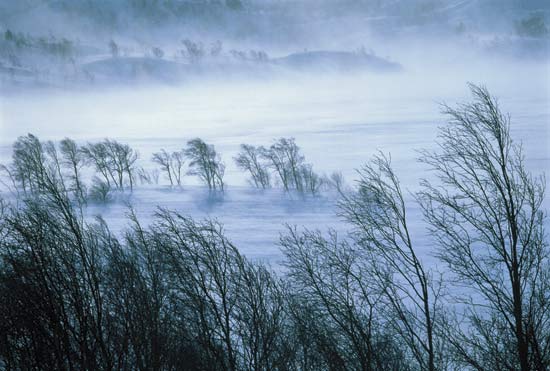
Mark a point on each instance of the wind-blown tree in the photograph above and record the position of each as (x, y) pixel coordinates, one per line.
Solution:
(27, 170)
(171, 164)
(116, 162)
(378, 213)
(311, 181)
(122, 159)
(235, 308)
(96, 156)
(194, 51)
(285, 159)
(486, 213)
(331, 280)
(249, 159)
(205, 163)
(288, 163)
(73, 159)
(178, 161)
(140, 293)
(37, 170)
(52, 314)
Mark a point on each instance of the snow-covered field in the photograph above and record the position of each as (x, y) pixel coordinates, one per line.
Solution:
(339, 122)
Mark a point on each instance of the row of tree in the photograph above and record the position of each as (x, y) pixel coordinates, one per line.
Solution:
(114, 166)
(178, 295)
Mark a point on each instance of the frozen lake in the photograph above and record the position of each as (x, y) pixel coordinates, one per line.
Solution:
(338, 121)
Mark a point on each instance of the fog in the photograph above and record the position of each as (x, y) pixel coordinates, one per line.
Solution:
(274, 185)
(384, 93)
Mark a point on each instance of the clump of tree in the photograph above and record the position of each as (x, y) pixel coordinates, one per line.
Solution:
(194, 51)
(40, 165)
(51, 45)
(157, 52)
(114, 161)
(205, 163)
(250, 159)
(532, 26)
(288, 163)
(258, 55)
(488, 219)
(338, 306)
(177, 294)
(38, 168)
(407, 291)
(73, 158)
(171, 164)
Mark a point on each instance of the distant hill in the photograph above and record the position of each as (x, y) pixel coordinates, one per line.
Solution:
(335, 60)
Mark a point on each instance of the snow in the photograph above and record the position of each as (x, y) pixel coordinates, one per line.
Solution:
(339, 121)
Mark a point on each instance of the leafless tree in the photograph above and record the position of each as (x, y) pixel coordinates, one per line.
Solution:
(486, 213)
(205, 163)
(163, 159)
(334, 278)
(236, 308)
(172, 164)
(52, 311)
(249, 159)
(157, 52)
(96, 156)
(194, 51)
(285, 159)
(28, 163)
(178, 162)
(114, 161)
(378, 212)
(311, 181)
(122, 159)
(74, 160)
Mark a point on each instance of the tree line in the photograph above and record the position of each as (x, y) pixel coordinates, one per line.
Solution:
(176, 294)
(111, 166)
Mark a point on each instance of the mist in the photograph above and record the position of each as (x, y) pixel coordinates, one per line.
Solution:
(310, 139)
(342, 107)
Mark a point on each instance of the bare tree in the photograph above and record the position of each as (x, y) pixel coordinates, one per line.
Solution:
(486, 213)
(205, 163)
(122, 159)
(236, 309)
(178, 162)
(172, 164)
(312, 182)
(114, 49)
(52, 311)
(114, 161)
(28, 163)
(163, 158)
(96, 155)
(216, 48)
(249, 159)
(379, 214)
(205, 274)
(288, 163)
(334, 278)
(194, 51)
(73, 159)
(285, 158)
